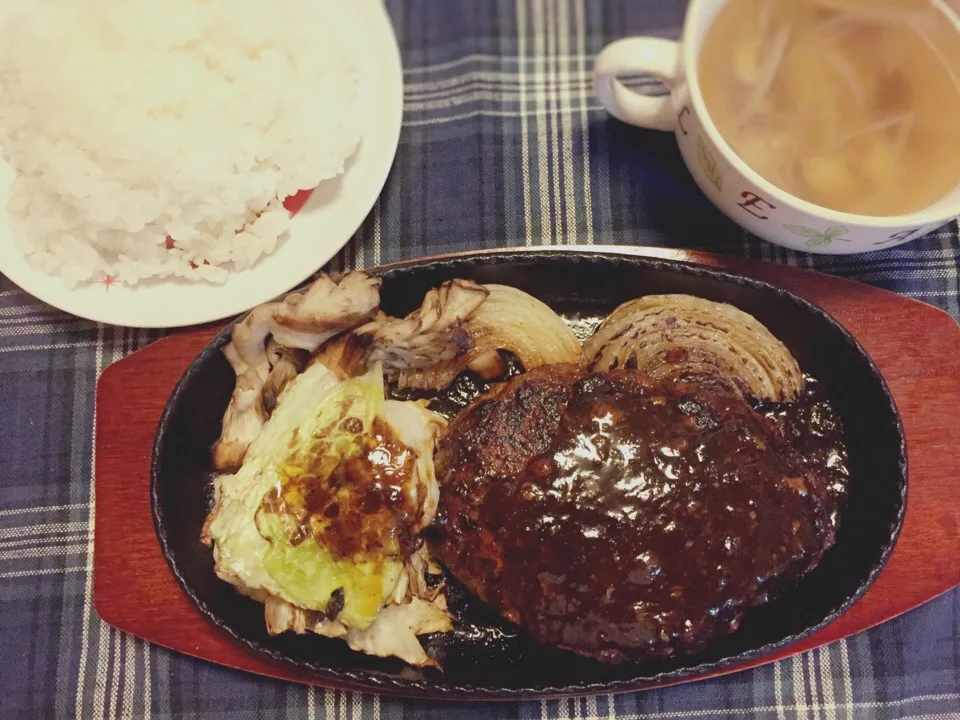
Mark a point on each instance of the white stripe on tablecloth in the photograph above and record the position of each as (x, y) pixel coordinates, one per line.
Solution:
(928, 293)
(147, 682)
(34, 573)
(34, 308)
(847, 681)
(43, 529)
(671, 32)
(543, 124)
(811, 684)
(778, 667)
(43, 508)
(334, 705)
(555, 108)
(56, 551)
(107, 675)
(485, 96)
(580, 25)
(524, 127)
(85, 626)
(570, 82)
(552, 105)
(464, 60)
(566, 123)
(953, 272)
(359, 253)
(500, 82)
(17, 326)
(376, 232)
(806, 674)
(66, 538)
(52, 346)
(826, 682)
(744, 712)
(356, 706)
(472, 114)
(129, 675)
(117, 668)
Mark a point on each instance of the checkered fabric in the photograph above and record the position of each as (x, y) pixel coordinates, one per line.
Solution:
(502, 145)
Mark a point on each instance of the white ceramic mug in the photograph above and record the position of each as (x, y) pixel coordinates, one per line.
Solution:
(744, 196)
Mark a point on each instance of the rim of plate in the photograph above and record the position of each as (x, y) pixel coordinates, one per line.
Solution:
(327, 222)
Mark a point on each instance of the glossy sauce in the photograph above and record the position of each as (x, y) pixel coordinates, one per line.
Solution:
(658, 514)
(361, 508)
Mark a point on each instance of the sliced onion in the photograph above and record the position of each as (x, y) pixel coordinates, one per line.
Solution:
(672, 336)
(345, 356)
(511, 320)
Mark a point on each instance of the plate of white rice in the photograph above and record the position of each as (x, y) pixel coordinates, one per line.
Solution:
(149, 152)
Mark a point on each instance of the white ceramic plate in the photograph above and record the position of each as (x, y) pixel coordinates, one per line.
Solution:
(329, 219)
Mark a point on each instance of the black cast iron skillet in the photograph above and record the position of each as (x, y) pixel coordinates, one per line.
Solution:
(487, 657)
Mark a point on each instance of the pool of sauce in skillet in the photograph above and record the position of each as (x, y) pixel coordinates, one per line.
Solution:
(813, 428)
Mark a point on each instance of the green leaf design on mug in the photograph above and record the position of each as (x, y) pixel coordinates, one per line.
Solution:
(708, 164)
(819, 239)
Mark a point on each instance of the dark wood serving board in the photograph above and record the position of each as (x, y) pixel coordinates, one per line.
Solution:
(916, 347)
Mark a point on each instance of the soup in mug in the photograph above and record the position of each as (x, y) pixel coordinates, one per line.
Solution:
(853, 105)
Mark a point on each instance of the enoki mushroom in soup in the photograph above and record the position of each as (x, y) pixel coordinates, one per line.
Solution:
(853, 105)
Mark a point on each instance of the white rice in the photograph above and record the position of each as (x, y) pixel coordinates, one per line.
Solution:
(131, 123)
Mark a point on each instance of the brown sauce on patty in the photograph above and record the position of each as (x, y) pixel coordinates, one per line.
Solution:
(624, 519)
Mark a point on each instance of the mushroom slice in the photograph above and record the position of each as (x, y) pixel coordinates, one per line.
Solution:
(508, 320)
(244, 416)
(429, 335)
(304, 321)
(680, 336)
(285, 364)
(328, 308)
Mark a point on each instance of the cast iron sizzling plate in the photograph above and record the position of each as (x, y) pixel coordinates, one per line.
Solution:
(487, 657)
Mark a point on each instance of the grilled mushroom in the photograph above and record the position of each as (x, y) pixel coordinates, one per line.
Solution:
(473, 324)
(429, 335)
(305, 321)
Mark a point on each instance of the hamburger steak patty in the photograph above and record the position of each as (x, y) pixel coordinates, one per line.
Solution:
(623, 519)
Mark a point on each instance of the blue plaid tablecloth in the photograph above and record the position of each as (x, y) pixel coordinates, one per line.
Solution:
(502, 145)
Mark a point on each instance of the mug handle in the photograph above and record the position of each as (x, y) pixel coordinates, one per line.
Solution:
(647, 55)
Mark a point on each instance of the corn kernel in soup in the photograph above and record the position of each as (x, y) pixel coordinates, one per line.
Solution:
(853, 105)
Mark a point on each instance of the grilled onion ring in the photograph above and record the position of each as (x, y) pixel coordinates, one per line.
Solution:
(683, 336)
